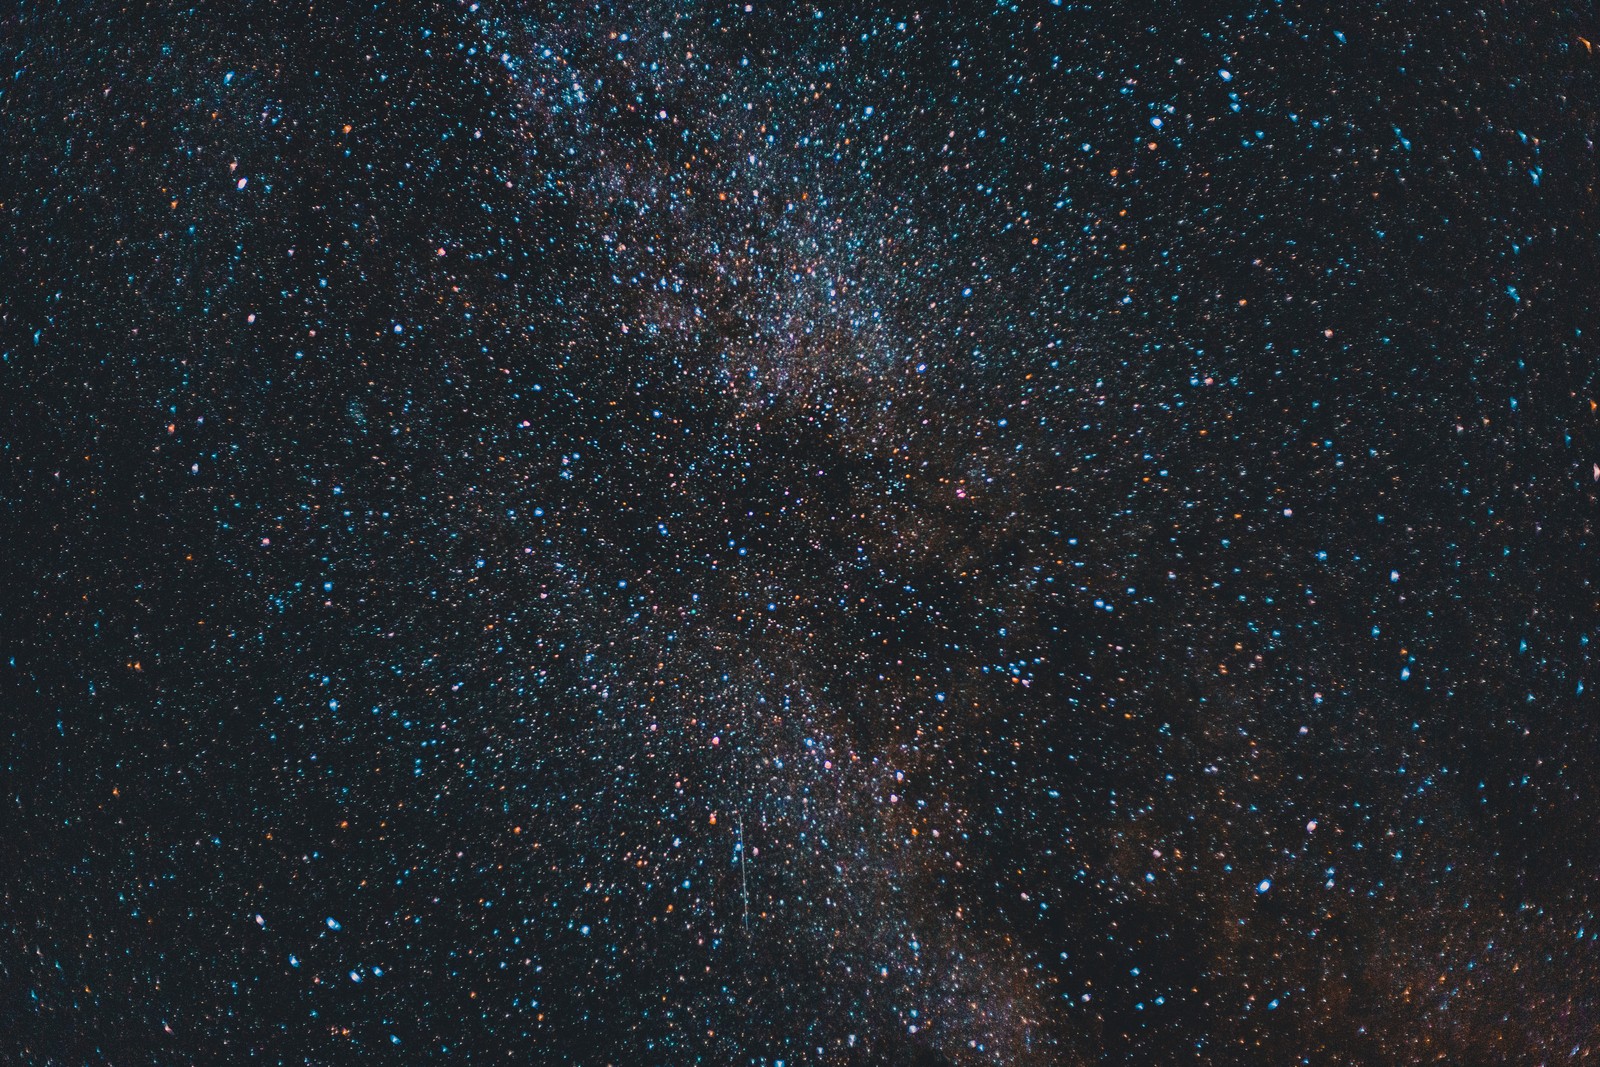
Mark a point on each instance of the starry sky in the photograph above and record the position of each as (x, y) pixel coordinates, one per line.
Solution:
(671, 533)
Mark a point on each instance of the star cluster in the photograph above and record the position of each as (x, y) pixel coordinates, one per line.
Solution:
(725, 533)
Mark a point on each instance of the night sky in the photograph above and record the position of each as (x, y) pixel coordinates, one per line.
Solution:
(667, 533)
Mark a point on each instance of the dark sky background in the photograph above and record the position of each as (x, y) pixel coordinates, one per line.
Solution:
(660, 534)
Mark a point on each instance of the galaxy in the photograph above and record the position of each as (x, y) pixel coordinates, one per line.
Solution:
(661, 533)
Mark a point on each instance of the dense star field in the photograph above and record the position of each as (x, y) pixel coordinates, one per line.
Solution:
(671, 533)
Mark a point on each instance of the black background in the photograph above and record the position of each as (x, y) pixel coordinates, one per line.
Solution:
(493, 639)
